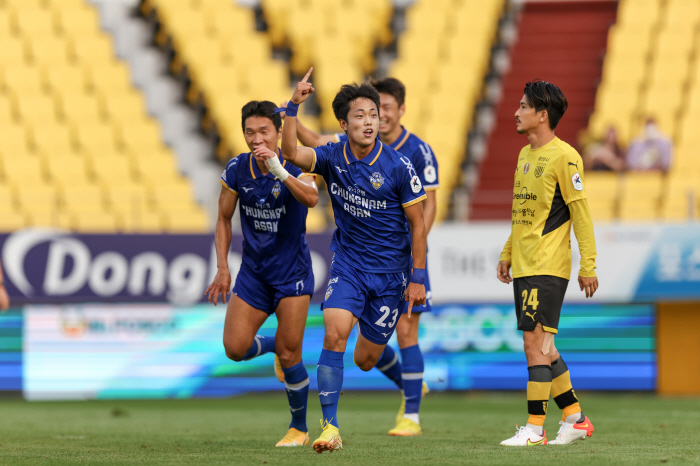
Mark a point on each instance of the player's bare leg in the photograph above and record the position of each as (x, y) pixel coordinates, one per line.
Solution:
(367, 353)
(291, 321)
(338, 324)
(413, 387)
(240, 326)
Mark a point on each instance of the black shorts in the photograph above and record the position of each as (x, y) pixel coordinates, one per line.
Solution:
(538, 299)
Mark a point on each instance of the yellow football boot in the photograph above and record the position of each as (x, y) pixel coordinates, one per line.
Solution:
(329, 440)
(294, 438)
(278, 369)
(402, 409)
(406, 428)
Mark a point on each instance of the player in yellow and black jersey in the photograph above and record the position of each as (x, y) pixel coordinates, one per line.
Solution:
(549, 197)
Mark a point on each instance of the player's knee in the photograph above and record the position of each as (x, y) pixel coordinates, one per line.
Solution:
(234, 351)
(406, 336)
(365, 365)
(530, 345)
(288, 358)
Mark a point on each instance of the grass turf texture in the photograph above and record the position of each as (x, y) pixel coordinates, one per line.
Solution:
(458, 429)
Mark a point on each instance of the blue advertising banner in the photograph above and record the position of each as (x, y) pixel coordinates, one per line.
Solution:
(53, 266)
(161, 351)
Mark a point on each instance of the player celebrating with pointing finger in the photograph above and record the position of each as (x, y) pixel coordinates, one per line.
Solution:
(376, 196)
(548, 197)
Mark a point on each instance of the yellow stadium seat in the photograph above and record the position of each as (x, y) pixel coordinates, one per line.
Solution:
(67, 169)
(82, 196)
(14, 141)
(37, 198)
(23, 170)
(12, 52)
(139, 222)
(602, 209)
(11, 221)
(7, 112)
(78, 108)
(52, 139)
(187, 221)
(127, 197)
(109, 78)
(603, 186)
(97, 50)
(681, 13)
(176, 196)
(96, 137)
(52, 52)
(23, 79)
(638, 13)
(37, 109)
(64, 79)
(30, 21)
(75, 17)
(315, 221)
(128, 106)
(94, 221)
(7, 199)
(638, 210)
(112, 170)
(642, 187)
(157, 167)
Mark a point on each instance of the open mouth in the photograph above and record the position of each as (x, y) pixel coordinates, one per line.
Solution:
(368, 132)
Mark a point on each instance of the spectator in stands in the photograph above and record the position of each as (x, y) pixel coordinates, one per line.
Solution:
(651, 150)
(605, 155)
(4, 298)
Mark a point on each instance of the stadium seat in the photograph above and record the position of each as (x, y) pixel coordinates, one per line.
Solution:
(186, 221)
(11, 221)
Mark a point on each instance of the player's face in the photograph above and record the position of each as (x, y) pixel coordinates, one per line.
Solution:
(260, 131)
(362, 125)
(391, 113)
(526, 118)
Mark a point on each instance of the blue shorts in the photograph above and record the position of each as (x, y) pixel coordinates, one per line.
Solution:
(261, 295)
(428, 306)
(374, 298)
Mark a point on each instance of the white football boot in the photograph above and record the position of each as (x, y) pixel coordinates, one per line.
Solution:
(526, 437)
(573, 432)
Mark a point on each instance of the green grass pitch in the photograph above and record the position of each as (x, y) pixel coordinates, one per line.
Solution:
(458, 429)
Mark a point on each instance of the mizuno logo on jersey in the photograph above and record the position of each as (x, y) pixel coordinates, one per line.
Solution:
(385, 334)
(326, 393)
(246, 189)
(340, 170)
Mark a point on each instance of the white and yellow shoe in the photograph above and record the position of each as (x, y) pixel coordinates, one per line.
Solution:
(279, 373)
(402, 409)
(406, 428)
(294, 438)
(573, 432)
(526, 437)
(329, 440)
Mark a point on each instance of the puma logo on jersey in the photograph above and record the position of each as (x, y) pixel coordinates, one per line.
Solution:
(574, 164)
(532, 316)
(246, 189)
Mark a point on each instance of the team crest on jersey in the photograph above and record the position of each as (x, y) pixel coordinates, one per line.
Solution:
(526, 168)
(329, 292)
(376, 180)
(539, 169)
(277, 189)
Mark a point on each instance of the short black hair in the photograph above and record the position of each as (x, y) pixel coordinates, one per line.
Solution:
(259, 108)
(546, 96)
(350, 92)
(391, 86)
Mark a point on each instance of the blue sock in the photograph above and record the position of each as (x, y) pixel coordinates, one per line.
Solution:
(296, 381)
(412, 375)
(330, 382)
(261, 345)
(389, 364)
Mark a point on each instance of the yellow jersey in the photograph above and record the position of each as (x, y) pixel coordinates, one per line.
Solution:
(547, 179)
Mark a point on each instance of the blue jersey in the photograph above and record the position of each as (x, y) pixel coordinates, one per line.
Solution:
(368, 197)
(418, 152)
(272, 220)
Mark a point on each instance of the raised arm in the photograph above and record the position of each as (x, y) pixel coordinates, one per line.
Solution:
(302, 157)
(222, 242)
(309, 137)
(415, 293)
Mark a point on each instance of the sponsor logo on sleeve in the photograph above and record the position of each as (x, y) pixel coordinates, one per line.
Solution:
(430, 174)
(576, 181)
(415, 185)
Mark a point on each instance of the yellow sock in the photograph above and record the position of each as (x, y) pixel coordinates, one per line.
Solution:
(538, 389)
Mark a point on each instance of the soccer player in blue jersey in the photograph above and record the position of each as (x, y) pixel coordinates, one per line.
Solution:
(275, 274)
(408, 374)
(376, 197)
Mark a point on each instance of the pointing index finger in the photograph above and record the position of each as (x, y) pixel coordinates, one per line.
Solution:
(308, 75)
